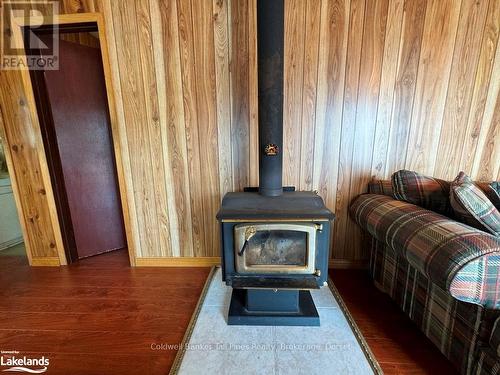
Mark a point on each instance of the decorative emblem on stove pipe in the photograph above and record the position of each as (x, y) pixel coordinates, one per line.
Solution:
(271, 149)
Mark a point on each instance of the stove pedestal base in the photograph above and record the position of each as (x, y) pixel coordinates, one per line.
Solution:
(265, 307)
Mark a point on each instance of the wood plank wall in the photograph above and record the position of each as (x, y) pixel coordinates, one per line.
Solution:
(371, 86)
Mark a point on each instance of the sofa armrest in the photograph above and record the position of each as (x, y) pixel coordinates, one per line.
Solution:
(456, 257)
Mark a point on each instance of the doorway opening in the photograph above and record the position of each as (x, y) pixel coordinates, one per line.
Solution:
(73, 110)
(11, 236)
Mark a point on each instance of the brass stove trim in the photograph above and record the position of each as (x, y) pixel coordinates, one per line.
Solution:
(294, 220)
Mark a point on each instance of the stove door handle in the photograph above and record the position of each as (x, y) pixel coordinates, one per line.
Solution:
(245, 245)
(249, 233)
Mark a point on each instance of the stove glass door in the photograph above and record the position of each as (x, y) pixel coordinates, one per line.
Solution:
(275, 248)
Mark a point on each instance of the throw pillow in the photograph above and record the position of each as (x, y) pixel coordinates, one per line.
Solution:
(472, 206)
(492, 191)
(424, 191)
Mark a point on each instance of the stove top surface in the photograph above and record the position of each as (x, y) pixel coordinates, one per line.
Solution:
(290, 205)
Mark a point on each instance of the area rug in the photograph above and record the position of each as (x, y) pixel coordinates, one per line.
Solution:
(210, 346)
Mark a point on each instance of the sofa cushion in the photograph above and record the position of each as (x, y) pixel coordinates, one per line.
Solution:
(424, 191)
(472, 206)
(492, 191)
(437, 246)
(382, 187)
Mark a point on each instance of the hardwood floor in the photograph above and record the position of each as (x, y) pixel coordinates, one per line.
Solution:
(101, 317)
(399, 346)
(98, 316)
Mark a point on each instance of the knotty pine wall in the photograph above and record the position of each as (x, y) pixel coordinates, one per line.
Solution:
(371, 86)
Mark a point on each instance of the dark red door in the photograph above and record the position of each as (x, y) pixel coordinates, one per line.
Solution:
(77, 96)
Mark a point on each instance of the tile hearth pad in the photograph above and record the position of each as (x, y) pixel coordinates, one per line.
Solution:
(217, 348)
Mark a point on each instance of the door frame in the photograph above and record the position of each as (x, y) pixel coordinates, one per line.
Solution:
(69, 20)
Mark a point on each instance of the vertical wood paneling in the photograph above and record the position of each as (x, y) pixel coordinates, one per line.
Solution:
(371, 86)
(309, 93)
(121, 139)
(204, 63)
(253, 102)
(366, 112)
(406, 82)
(186, 42)
(490, 160)
(350, 100)
(153, 126)
(240, 118)
(438, 43)
(332, 63)
(481, 85)
(155, 15)
(295, 12)
(175, 143)
(487, 159)
(124, 17)
(222, 77)
(461, 86)
(387, 88)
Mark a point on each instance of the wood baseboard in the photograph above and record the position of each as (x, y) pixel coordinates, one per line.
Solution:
(343, 264)
(178, 262)
(47, 262)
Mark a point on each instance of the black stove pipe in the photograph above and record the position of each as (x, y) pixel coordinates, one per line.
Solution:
(270, 49)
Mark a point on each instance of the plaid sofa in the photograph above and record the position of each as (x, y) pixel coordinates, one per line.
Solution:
(443, 274)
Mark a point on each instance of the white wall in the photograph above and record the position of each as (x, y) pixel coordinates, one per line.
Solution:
(10, 230)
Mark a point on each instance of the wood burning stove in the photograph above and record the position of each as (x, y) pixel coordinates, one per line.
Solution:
(274, 240)
(274, 249)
